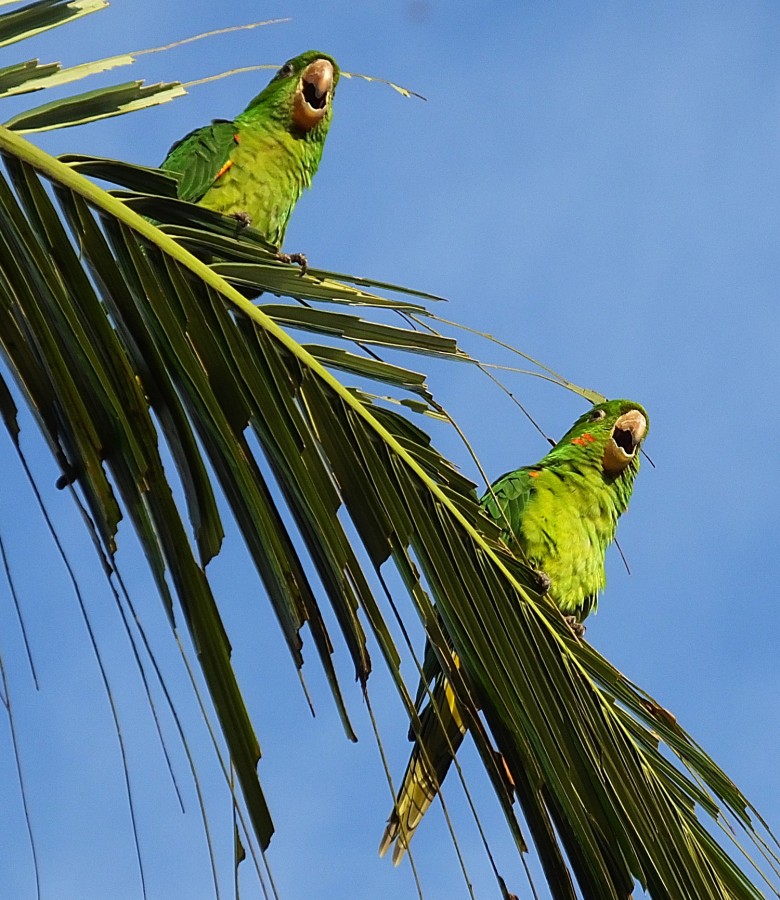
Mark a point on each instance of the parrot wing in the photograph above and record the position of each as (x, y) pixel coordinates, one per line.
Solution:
(200, 157)
(506, 499)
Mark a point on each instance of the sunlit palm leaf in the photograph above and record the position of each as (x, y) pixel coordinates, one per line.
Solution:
(28, 76)
(42, 15)
(31, 75)
(93, 105)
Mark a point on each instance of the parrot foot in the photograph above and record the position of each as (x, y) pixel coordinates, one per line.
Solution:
(243, 218)
(543, 582)
(297, 258)
(576, 626)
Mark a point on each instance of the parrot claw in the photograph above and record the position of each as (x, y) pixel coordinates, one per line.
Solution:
(576, 626)
(243, 218)
(297, 258)
(543, 582)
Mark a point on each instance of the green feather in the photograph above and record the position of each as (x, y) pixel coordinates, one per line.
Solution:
(199, 156)
(257, 165)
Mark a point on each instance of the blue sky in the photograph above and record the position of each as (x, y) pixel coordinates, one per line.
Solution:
(594, 183)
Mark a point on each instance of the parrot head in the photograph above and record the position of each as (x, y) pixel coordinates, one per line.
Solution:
(301, 93)
(609, 435)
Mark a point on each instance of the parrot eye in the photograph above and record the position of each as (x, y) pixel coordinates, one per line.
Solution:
(597, 414)
(285, 71)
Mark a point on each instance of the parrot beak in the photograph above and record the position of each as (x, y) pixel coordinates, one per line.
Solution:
(624, 441)
(312, 98)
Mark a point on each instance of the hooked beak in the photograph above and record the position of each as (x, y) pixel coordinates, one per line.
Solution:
(312, 98)
(624, 441)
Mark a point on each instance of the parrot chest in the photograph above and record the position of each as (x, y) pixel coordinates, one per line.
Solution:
(566, 529)
(265, 176)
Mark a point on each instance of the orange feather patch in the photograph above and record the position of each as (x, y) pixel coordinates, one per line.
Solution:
(587, 438)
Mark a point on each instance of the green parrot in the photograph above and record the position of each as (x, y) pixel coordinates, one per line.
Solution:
(256, 166)
(560, 516)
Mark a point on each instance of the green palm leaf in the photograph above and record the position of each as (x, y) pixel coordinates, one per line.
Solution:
(124, 338)
(35, 18)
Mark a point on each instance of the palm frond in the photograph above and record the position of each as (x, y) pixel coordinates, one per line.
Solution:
(91, 106)
(126, 324)
(164, 346)
(31, 75)
(42, 15)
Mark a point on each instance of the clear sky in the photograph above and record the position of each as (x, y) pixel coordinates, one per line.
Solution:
(596, 184)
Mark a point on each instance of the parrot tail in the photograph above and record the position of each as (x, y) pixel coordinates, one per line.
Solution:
(441, 734)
